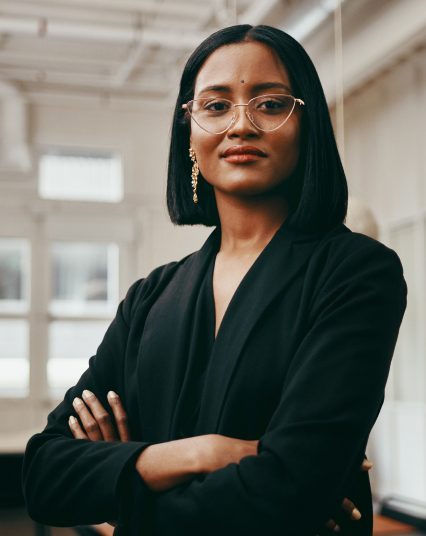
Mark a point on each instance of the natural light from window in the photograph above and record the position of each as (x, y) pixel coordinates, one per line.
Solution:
(80, 176)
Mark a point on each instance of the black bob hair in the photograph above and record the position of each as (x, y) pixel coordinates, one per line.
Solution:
(316, 192)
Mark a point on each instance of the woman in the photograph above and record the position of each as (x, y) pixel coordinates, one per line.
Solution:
(253, 370)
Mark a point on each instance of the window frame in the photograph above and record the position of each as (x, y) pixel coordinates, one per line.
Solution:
(46, 222)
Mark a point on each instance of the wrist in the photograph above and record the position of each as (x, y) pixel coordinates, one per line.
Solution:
(141, 461)
(162, 465)
(202, 453)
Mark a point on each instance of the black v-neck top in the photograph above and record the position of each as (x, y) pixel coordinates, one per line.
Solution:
(203, 337)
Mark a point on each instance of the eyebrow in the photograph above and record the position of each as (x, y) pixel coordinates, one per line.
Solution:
(257, 87)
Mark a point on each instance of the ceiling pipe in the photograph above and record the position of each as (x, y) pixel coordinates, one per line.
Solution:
(312, 19)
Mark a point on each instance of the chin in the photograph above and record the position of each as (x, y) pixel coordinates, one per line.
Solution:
(251, 189)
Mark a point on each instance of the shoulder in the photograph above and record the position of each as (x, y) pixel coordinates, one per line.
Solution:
(345, 257)
(148, 288)
(154, 283)
(351, 269)
(343, 246)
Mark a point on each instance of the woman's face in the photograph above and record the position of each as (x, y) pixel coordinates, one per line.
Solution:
(240, 72)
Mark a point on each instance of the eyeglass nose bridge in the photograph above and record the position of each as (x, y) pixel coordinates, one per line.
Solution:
(247, 113)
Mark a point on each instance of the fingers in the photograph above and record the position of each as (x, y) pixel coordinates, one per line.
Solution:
(94, 419)
(120, 415)
(366, 465)
(101, 416)
(96, 423)
(88, 423)
(332, 525)
(349, 507)
(76, 429)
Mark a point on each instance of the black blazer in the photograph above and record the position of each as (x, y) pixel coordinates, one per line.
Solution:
(300, 361)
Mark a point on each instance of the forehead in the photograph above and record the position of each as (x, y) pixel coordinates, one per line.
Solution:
(252, 62)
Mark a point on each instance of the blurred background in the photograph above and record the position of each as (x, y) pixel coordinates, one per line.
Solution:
(87, 90)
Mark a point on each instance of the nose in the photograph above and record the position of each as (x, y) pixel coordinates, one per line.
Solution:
(242, 126)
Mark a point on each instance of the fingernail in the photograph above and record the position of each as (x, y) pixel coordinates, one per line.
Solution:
(87, 393)
(72, 419)
(77, 402)
(336, 528)
(356, 514)
(112, 394)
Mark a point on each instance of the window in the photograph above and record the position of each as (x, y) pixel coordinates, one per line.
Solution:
(14, 364)
(84, 296)
(14, 304)
(79, 175)
(71, 344)
(84, 278)
(59, 276)
(14, 268)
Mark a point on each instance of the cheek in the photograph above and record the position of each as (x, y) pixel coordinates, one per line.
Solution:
(287, 149)
(205, 147)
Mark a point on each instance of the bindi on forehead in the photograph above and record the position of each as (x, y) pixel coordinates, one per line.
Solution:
(242, 81)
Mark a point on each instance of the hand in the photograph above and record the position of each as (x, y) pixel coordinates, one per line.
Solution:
(347, 505)
(96, 423)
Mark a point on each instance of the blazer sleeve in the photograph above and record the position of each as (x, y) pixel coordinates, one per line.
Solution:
(70, 482)
(330, 399)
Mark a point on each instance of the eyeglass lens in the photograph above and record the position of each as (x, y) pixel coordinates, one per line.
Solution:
(266, 112)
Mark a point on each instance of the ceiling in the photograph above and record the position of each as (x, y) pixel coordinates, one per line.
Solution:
(131, 48)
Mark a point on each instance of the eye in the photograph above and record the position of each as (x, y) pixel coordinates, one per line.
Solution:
(274, 104)
(216, 106)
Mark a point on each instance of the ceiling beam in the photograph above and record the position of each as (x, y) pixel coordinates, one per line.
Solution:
(105, 33)
(32, 74)
(178, 9)
(47, 61)
(66, 79)
(137, 56)
(12, 8)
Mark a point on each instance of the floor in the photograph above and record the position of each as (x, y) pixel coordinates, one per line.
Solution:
(384, 526)
(15, 522)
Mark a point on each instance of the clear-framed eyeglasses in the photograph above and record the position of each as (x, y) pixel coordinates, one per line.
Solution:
(265, 112)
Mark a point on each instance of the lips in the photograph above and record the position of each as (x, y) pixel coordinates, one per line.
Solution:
(237, 150)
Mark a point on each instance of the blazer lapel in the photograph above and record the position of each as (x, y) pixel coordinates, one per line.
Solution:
(163, 353)
(274, 269)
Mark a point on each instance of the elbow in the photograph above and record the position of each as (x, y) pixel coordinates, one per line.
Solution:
(35, 502)
(34, 489)
(42, 508)
(37, 508)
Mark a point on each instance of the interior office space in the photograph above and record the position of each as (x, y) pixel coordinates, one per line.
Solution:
(87, 91)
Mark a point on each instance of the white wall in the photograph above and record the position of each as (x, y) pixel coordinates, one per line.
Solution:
(386, 162)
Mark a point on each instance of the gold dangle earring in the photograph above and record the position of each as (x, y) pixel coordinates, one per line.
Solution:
(194, 174)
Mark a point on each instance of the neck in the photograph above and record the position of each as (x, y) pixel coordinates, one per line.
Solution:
(248, 223)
